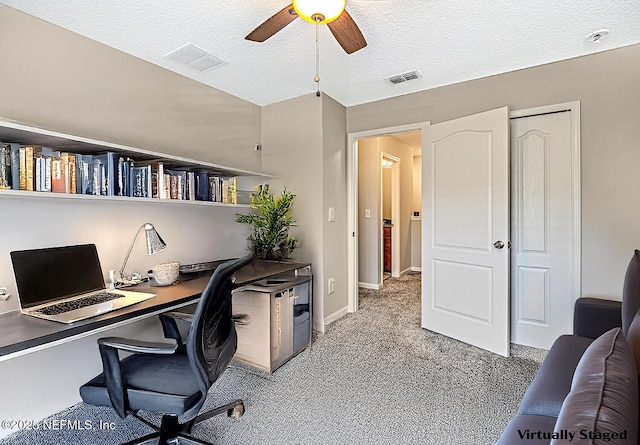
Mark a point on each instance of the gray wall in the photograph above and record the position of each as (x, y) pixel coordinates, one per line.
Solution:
(62, 81)
(292, 150)
(607, 86)
(303, 144)
(334, 184)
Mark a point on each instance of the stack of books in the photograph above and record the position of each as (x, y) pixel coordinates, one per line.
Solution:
(41, 169)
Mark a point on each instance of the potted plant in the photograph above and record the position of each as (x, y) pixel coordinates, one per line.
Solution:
(271, 219)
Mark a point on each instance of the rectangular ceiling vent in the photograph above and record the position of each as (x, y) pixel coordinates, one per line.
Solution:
(194, 57)
(404, 77)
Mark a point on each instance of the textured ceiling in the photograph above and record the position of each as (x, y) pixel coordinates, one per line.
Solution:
(447, 41)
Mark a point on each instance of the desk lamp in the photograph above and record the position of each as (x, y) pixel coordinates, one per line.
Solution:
(154, 245)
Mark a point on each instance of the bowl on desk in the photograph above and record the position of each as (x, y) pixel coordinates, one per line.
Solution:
(164, 274)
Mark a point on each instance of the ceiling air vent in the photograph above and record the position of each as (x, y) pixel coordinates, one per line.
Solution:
(194, 57)
(404, 77)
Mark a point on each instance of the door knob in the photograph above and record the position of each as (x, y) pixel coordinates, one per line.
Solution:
(498, 244)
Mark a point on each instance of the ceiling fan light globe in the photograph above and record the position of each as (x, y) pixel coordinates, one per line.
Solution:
(325, 10)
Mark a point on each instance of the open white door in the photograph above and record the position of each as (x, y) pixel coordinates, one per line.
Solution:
(465, 229)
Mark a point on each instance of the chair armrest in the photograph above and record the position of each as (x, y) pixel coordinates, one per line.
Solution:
(592, 317)
(144, 347)
(109, 347)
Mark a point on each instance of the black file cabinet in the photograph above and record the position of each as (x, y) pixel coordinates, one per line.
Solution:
(279, 322)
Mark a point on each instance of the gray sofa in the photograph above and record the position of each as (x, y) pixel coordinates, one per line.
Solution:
(586, 390)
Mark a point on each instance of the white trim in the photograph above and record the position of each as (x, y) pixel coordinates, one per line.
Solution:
(369, 286)
(395, 217)
(416, 269)
(407, 270)
(576, 223)
(352, 201)
(336, 315)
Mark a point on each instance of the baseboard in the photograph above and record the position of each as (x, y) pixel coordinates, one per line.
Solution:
(407, 270)
(336, 315)
(416, 269)
(369, 285)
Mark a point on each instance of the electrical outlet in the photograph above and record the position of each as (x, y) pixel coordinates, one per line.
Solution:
(331, 285)
(4, 294)
(367, 213)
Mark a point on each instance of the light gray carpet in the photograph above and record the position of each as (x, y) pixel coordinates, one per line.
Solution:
(375, 377)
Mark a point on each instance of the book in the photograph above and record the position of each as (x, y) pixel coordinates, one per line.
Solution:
(37, 158)
(191, 186)
(157, 176)
(86, 171)
(70, 183)
(58, 172)
(141, 181)
(79, 161)
(15, 166)
(47, 174)
(225, 191)
(233, 190)
(96, 180)
(5, 166)
(26, 168)
(202, 186)
(108, 170)
(178, 184)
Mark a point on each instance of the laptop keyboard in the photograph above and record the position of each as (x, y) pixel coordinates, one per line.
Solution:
(89, 300)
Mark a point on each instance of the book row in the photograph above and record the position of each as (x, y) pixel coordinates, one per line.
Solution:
(24, 167)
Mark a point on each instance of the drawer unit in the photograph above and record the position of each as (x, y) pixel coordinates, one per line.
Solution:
(279, 322)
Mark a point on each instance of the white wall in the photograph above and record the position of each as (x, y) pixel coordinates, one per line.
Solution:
(193, 234)
(417, 184)
(369, 197)
(47, 82)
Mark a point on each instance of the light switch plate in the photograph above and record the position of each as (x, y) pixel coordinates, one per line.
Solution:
(332, 214)
(367, 213)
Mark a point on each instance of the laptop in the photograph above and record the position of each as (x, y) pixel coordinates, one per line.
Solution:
(65, 284)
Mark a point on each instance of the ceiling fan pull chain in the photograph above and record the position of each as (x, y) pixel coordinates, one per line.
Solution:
(317, 78)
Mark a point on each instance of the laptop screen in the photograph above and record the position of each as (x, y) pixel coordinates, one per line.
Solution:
(45, 275)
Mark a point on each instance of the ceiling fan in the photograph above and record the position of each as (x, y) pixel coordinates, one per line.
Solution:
(318, 12)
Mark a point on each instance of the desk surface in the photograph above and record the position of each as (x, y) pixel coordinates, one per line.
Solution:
(20, 333)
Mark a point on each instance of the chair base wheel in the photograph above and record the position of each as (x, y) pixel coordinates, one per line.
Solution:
(237, 411)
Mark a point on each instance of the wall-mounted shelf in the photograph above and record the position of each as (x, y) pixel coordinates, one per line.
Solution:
(15, 132)
(24, 194)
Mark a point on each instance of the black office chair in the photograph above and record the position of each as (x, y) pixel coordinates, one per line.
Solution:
(173, 378)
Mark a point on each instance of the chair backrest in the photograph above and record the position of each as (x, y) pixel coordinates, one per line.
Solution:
(631, 292)
(212, 339)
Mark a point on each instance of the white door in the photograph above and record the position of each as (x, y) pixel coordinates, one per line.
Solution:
(543, 228)
(465, 263)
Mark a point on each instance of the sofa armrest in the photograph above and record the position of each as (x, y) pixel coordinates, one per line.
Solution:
(592, 317)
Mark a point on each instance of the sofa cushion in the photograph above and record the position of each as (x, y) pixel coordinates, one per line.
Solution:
(526, 429)
(552, 382)
(633, 338)
(631, 292)
(602, 407)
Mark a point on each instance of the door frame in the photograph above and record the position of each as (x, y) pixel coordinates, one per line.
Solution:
(395, 216)
(352, 200)
(576, 192)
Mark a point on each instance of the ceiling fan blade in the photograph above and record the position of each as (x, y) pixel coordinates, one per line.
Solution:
(273, 24)
(347, 33)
